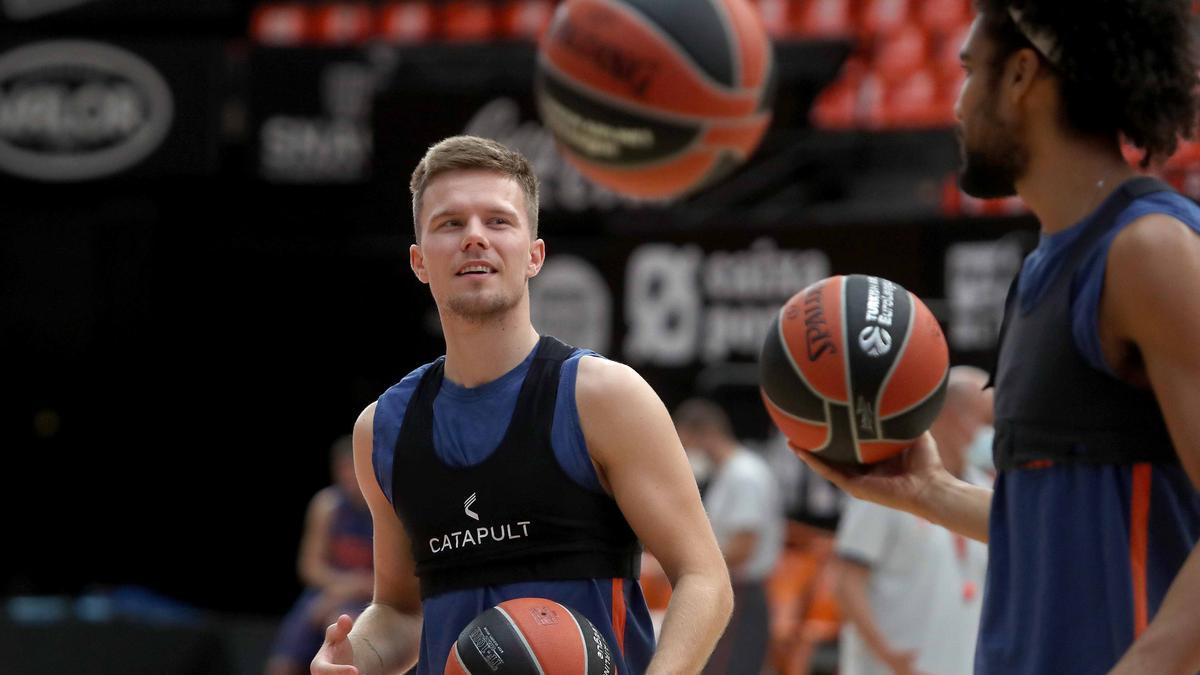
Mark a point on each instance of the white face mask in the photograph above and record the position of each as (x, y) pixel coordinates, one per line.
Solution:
(701, 465)
(979, 452)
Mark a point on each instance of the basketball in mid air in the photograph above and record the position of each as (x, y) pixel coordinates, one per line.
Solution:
(655, 99)
(854, 369)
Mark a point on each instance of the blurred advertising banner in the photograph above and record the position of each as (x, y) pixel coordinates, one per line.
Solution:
(75, 110)
(689, 310)
(310, 113)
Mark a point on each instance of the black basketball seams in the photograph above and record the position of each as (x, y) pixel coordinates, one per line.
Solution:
(903, 348)
(488, 642)
(700, 31)
(852, 452)
(780, 375)
(878, 314)
(841, 444)
(524, 642)
(597, 654)
(916, 419)
(458, 658)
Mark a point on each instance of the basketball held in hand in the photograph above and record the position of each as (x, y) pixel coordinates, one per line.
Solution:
(655, 99)
(530, 635)
(854, 369)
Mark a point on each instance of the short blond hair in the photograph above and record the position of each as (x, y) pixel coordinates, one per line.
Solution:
(464, 153)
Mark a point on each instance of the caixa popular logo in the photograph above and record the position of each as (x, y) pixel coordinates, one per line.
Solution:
(73, 110)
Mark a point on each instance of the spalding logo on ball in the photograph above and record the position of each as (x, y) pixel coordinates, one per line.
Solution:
(854, 369)
(530, 635)
(655, 98)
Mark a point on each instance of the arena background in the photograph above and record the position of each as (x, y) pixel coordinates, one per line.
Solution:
(187, 322)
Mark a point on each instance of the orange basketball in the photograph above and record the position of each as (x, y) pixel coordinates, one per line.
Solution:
(854, 369)
(655, 98)
(530, 635)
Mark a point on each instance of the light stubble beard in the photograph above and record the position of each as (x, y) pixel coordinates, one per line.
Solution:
(481, 308)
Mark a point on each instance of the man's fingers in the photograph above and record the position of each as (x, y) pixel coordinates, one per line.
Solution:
(826, 471)
(337, 631)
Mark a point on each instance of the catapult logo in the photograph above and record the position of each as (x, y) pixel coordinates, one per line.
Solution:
(467, 507)
(487, 533)
(75, 110)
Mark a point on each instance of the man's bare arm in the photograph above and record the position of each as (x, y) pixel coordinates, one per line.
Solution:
(631, 438)
(1152, 300)
(916, 482)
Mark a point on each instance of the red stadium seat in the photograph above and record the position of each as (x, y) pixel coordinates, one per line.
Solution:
(913, 102)
(837, 106)
(405, 22)
(1186, 157)
(280, 24)
(883, 16)
(870, 109)
(824, 19)
(342, 23)
(901, 52)
(467, 20)
(525, 19)
(776, 15)
(944, 16)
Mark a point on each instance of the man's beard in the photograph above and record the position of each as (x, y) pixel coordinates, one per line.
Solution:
(481, 307)
(990, 170)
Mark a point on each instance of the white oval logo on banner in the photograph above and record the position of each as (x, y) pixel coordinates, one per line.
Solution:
(570, 300)
(73, 110)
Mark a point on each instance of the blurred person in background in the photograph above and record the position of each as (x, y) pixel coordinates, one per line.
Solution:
(334, 564)
(744, 507)
(805, 618)
(911, 592)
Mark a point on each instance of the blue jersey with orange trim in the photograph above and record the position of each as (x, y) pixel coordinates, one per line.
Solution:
(469, 424)
(1080, 556)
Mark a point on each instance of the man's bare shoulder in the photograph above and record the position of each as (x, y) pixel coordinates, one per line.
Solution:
(601, 380)
(366, 418)
(1147, 241)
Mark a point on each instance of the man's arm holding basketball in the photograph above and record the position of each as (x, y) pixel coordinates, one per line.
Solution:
(1152, 300)
(385, 638)
(915, 481)
(631, 438)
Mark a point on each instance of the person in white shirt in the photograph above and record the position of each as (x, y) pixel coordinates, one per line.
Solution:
(744, 506)
(911, 591)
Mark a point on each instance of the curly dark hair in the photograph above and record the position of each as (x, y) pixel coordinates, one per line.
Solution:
(1125, 66)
